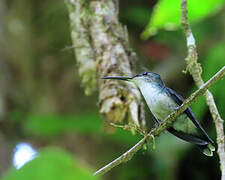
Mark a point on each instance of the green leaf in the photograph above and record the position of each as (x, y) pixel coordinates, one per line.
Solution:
(50, 125)
(51, 164)
(53, 125)
(167, 14)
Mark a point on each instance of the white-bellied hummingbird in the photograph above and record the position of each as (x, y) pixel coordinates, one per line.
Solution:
(162, 101)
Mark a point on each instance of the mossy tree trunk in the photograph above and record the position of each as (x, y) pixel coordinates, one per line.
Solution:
(101, 48)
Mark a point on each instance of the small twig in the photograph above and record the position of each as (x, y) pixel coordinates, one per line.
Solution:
(195, 70)
(163, 125)
(130, 127)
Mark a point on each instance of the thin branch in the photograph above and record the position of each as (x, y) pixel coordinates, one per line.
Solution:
(163, 125)
(195, 70)
(123, 158)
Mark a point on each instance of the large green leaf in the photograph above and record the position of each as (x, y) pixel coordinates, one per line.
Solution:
(53, 125)
(167, 14)
(51, 164)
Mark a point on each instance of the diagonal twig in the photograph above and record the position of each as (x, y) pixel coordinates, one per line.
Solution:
(195, 70)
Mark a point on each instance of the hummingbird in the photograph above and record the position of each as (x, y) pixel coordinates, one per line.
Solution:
(162, 101)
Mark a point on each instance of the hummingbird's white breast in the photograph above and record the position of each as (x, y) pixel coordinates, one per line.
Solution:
(160, 104)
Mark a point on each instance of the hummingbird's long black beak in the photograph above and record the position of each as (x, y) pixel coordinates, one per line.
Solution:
(124, 78)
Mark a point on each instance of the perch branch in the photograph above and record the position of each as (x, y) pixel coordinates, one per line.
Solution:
(195, 70)
(163, 125)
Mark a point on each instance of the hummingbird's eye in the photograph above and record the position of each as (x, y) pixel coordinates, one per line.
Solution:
(144, 73)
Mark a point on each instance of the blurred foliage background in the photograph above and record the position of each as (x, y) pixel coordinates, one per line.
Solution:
(45, 116)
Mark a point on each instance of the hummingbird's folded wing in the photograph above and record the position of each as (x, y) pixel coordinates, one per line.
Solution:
(187, 137)
(179, 100)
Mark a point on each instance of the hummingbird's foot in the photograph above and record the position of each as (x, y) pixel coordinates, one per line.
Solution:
(156, 122)
(176, 108)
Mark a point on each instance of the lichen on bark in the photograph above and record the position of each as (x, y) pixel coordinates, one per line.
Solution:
(101, 48)
(78, 13)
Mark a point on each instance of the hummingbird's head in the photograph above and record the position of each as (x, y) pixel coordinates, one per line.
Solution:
(147, 77)
(141, 79)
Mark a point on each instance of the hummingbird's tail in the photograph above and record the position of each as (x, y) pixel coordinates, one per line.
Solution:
(207, 149)
(205, 145)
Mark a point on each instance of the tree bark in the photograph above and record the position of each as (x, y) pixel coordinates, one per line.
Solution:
(101, 48)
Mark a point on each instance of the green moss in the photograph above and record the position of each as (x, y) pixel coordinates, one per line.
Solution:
(89, 81)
